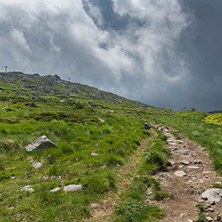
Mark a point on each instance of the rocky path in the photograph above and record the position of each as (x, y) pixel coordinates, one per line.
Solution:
(189, 175)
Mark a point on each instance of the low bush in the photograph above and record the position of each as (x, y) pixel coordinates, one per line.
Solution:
(132, 211)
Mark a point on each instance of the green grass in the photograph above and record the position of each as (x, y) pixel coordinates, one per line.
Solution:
(69, 115)
(192, 124)
(133, 206)
(78, 132)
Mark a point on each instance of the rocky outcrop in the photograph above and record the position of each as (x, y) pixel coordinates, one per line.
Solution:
(40, 144)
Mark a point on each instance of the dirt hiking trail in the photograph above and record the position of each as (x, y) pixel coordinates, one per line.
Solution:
(189, 175)
(102, 211)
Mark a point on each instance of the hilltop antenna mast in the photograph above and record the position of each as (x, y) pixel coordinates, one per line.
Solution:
(6, 67)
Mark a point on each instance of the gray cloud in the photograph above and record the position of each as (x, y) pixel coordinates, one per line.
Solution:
(159, 52)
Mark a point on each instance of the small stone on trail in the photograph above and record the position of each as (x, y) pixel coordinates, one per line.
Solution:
(211, 210)
(209, 219)
(185, 162)
(180, 173)
(72, 187)
(206, 172)
(172, 163)
(193, 167)
(55, 190)
(219, 217)
(183, 215)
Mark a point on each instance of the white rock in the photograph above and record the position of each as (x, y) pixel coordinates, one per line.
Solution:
(185, 162)
(207, 172)
(183, 215)
(212, 195)
(209, 219)
(55, 190)
(36, 165)
(193, 167)
(27, 188)
(94, 154)
(101, 120)
(72, 187)
(180, 173)
(219, 217)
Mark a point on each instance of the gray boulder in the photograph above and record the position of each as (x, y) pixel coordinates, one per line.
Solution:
(212, 195)
(41, 143)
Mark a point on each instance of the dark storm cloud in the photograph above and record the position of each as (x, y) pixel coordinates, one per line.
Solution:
(51, 43)
(164, 53)
(204, 53)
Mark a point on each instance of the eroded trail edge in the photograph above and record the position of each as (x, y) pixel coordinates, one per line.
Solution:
(189, 175)
(103, 210)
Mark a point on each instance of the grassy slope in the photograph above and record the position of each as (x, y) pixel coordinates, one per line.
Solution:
(69, 116)
(194, 125)
(72, 122)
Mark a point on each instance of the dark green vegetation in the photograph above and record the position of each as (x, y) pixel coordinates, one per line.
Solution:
(82, 120)
(201, 216)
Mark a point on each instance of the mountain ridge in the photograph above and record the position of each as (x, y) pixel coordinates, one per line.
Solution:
(54, 85)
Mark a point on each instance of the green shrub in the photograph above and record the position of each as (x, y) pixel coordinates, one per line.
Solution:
(160, 195)
(202, 217)
(195, 134)
(157, 158)
(66, 148)
(8, 146)
(2, 165)
(132, 211)
(99, 184)
(4, 175)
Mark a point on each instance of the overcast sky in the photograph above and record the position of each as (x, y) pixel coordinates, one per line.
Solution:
(165, 53)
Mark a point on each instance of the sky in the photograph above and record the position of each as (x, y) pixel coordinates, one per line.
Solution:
(164, 53)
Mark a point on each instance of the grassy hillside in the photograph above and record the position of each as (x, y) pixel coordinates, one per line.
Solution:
(96, 133)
